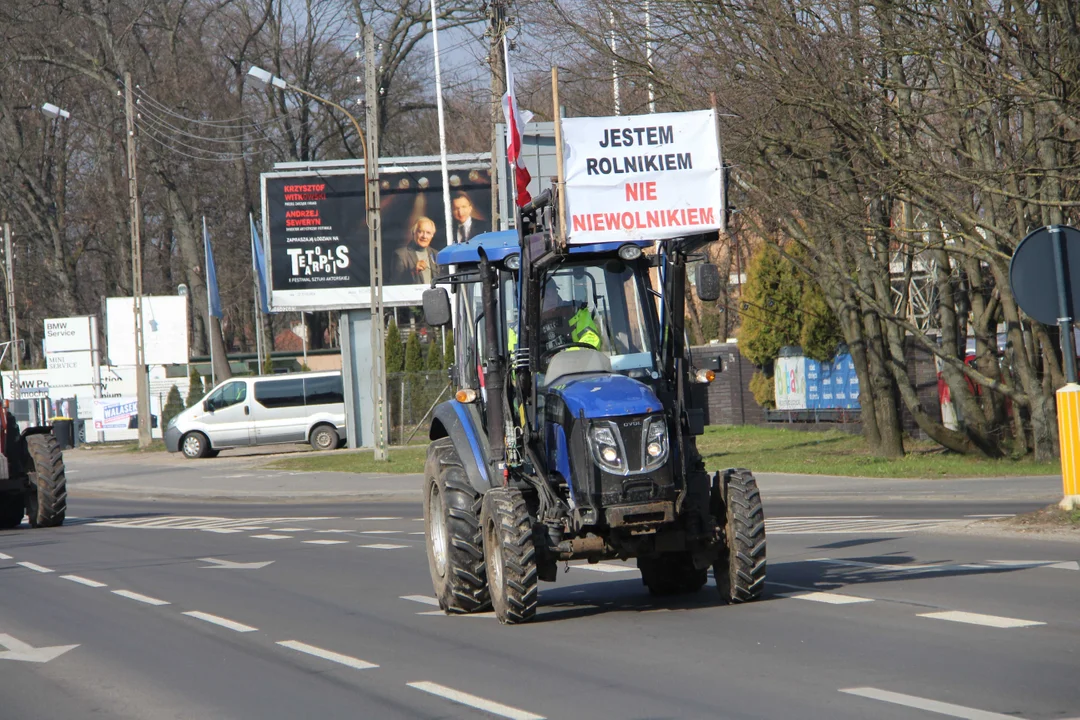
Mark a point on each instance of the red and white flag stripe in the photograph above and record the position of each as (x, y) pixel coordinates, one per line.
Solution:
(516, 120)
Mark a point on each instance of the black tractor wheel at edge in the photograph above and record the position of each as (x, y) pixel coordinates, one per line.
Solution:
(740, 566)
(510, 554)
(454, 538)
(11, 510)
(46, 500)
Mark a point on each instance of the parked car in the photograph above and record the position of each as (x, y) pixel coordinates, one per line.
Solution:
(242, 411)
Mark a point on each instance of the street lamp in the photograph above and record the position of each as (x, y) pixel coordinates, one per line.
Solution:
(142, 379)
(371, 199)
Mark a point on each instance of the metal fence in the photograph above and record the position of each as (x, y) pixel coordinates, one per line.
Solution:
(412, 397)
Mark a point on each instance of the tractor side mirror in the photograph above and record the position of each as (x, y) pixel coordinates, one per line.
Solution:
(707, 280)
(436, 307)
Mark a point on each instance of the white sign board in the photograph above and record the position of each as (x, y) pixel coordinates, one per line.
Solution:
(115, 413)
(165, 330)
(70, 368)
(69, 334)
(644, 177)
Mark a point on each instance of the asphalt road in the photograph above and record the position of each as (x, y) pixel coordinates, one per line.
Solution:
(870, 612)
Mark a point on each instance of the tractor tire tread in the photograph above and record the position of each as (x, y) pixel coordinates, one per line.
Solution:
(49, 481)
(740, 572)
(517, 600)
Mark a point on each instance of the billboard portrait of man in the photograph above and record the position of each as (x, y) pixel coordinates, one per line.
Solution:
(466, 224)
(414, 264)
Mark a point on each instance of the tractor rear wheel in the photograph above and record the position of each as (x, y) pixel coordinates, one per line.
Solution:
(452, 524)
(740, 565)
(511, 555)
(672, 573)
(46, 500)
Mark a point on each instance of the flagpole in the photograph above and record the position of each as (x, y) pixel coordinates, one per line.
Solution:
(560, 170)
(258, 308)
(442, 127)
(209, 301)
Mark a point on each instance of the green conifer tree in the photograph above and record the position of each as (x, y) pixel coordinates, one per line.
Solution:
(174, 405)
(414, 358)
(195, 388)
(395, 353)
(434, 361)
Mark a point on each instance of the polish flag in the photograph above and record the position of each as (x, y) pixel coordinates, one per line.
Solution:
(516, 120)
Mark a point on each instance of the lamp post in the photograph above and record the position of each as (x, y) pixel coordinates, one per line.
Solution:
(369, 145)
(142, 379)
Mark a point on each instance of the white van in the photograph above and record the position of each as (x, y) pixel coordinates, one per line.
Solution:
(293, 408)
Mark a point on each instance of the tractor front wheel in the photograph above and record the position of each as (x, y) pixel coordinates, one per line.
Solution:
(740, 565)
(46, 500)
(510, 555)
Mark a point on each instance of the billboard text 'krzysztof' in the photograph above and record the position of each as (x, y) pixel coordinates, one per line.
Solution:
(645, 177)
(316, 233)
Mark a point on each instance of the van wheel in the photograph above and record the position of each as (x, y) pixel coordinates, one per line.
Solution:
(194, 445)
(324, 437)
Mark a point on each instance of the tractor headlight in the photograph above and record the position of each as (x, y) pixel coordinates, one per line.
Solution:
(655, 450)
(606, 447)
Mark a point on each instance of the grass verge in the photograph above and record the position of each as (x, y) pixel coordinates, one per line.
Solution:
(402, 460)
(760, 449)
(1050, 517)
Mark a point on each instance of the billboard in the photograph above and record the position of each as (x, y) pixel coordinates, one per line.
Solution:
(789, 378)
(316, 236)
(165, 330)
(645, 177)
(69, 334)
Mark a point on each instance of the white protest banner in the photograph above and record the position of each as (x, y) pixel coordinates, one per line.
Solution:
(643, 177)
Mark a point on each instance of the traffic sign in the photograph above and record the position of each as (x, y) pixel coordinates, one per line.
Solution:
(1033, 272)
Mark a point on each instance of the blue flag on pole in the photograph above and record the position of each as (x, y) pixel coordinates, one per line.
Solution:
(212, 296)
(260, 267)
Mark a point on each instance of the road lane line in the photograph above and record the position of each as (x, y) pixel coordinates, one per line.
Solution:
(83, 581)
(140, 598)
(378, 518)
(292, 529)
(977, 619)
(941, 708)
(222, 531)
(379, 532)
(473, 701)
(422, 599)
(35, 567)
(271, 536)
(1068, 565)
(5, 557)
(383, 546)
(223, 622)
(325, 542)
(327, 655)
(333, 531)
(605, 567)
(829, 598)
(418, 533)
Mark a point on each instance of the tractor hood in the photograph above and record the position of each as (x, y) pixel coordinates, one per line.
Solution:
(605, 395)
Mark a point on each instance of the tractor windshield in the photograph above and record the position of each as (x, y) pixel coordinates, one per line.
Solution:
(603, 306)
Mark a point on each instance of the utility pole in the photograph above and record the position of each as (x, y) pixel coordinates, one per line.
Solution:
(9, 274)
(142, 380)
(497, 61)
(374, 216)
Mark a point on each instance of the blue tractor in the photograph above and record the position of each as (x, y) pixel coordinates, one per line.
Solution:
(572, 431)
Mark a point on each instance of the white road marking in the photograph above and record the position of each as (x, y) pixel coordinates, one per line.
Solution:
(203, 522)
(604, 567)
(293, 529)
(379, 532)
(5, 557)
(853, 525)
(1069, 565)
(216, 564)
(978, 619)
(84, 581)
(1000, 515)
(488, 706)
(325, 542)
(829, 598)
(441, 613)
(271, 536)
(223, 622)
(140, 598)
(226, 531)
(327, 655)
(383, 546)
(422, 599)
(18, 650)
(35, 567)
(827, 517)
(378, 518)
(418, 533)
(317, 532)
(941, 708)
(250, 528)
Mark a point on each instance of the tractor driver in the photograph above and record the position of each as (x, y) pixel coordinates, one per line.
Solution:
(563, 323)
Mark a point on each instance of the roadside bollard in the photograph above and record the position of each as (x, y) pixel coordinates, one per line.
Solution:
(1068, 407)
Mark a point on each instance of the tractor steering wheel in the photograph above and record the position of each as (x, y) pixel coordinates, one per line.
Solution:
(548, 354)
